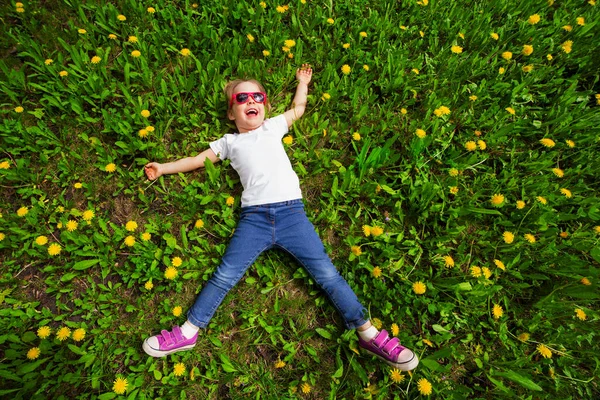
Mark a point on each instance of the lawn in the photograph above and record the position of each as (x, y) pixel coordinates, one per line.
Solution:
(448, 158)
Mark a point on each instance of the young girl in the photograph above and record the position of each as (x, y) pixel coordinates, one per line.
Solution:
(272, 216)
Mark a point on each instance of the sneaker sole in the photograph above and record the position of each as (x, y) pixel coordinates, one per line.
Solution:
(407, 366)
(158, 353)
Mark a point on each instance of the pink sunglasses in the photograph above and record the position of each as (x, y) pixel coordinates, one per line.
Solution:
(243, 97)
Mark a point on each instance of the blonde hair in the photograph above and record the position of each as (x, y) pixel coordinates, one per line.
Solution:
(230, 90)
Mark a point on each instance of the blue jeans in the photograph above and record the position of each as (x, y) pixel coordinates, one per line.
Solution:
(282, 225)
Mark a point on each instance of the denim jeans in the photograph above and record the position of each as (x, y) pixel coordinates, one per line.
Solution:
(281, 225)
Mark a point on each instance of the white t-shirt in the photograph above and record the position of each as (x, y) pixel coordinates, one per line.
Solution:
(261, 162)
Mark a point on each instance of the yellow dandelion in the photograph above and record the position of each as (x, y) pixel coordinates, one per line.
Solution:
(510, 110)
(136, 53)
(149, 285)
(250, 38)
(4, 165)
(266, 53)
(547, 142)
(471, 145)
(54, 249)
(151, 10)
(177, 310)
(88, 215)
(346, 45)
(356, 136)
(121, 17)
(19, 109)
(499, 264)
(580, 314)
(419, 287)
(63, 73)
(580, 21)
(72, 225)
(325, 96)
(567, 28)
(542, 200)
(475, 271)
(289, 43)
(305, 388)
(534, 19)
(33, 353)
(549, 57)
(279, 364)
(199, 224)
(377, 323)
(63, 333)
(566, 192)
(448, 261)
(143, 133)
(527, 49)
(2, 236)
(453, 172)
(544, 351)
(453, 190)
(486, 272)
(82, 31)
(112, 36)
(456, 49)
(41, 240)
(366, 230)
(482, 145)
(376, 272)
(508, 237)
(396, 376)
(529, 237)
(497, 311)
(43, 332)
(132, 39)
(177, 261)
(494, 35)
(428, 342)
(472, 97)
(131, 226)
(527, 68)
(230, 200)
(507, 55)
(420, 133)
(22, 211)
(120, 385)
(501, 70)
(171, 273)
(356, 250)
(363, 34)
(79, 334)
(564, 234)
(424, 387)
(145, 113)
(376, 230)
(346, 69)
(497, 200)
(441, 111)
(585, 281)
(558, 172)
(523, 337)
(570, 143)
(48, 61)
(330, 21)
(395, 329)
(567, 46)
(288, 140)
(111, 167)
(146, 236)
(280, 9)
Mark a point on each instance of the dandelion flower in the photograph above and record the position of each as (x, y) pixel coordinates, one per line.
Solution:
(527, 49)
(4, 165)
(136, 53)
(453, 189)
(473, 97)
(499, 264)
(131, 226)
(356, 250)
(534, 19)
(396, 376)
(43, 332)
(585, 281)
(475, 271)
(19, 109)
(580, 21)
(441, 111)
(580, 314)
(177, 310)
(456, 49)
(110, 167)
(529, 237)
(41, 240)
(547, 142)
(486, 272)
(346, 45)
(549, 57)
(376, 272)
(79, 334)
(82, 31)
(145, 113)
(54, 249)
(420, 133)
(171, 273)
(567, 46)
(176, 261)
(112, 36)
(129, 241)
(419, 287)
(448, 261)
(497, 311)
(230, 200)
(280, 9)
(494, 36)
(325, 96)
(330, 21)
(72, 225)
(21, 212)
(501, 70)
(510, 110)
(151, 10)
(544, 351)
(507, 55)
(143, 133)
(250, 38)
(289, 43)
(146, 236)
(395, 329)
(346, 69)
(305, 388)
(120, 385)
(403, 111)
(566, 192)
(428, 342)
(424, 387)
(199, 224)
(527, 68)
(132, 39)
(558, 172)
(366, 230)
(148, 285)
(482, 145)
(363, 34)
(570, 143)
(523, 337)
(288, 140)
(88, 215)
(356, 136)
(508, 237)
(63, 333)
(497, 200)
(121, 17)
(33, 353)
(376, 230)
(542, 200)
(279, 364)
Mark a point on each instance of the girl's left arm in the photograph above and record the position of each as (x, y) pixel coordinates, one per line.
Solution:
(303, 75)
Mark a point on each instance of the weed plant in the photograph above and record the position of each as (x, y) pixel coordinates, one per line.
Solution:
(448, 159)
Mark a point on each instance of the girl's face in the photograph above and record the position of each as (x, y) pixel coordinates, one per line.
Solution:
(250, 115)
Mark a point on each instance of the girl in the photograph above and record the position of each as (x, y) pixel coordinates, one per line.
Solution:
(272, 215)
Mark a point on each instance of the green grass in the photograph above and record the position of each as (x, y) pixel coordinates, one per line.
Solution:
(431, 195)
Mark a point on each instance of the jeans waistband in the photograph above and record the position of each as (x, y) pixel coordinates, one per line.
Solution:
(280, 203)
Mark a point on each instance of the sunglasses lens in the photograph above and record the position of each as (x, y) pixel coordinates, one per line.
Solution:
(241, 98)
(258, 97)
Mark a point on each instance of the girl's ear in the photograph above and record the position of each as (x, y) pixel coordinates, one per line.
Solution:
(230, 115)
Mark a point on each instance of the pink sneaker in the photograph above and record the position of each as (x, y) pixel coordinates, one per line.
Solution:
(390, 351)
(168, 342)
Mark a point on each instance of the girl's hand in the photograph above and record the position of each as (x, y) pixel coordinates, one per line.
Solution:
(304, 74)
(152, 170)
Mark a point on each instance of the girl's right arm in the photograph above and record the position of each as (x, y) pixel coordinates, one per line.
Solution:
(155, 170)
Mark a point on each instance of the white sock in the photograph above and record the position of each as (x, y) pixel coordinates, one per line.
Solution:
(368, 334)
(188, 329)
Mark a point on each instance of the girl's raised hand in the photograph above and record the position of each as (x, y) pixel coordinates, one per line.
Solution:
(152, 170)
(304, 74)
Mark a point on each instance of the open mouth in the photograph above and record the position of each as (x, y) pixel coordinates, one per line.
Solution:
(252, 112)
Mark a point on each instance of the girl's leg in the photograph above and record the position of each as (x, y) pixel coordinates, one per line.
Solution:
(252, 236)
